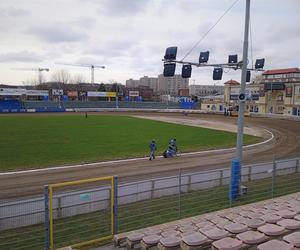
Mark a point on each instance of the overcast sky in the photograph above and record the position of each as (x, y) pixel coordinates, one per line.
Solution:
(129, 37)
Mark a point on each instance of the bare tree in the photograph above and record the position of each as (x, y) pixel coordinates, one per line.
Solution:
(61, 76)
(78, 78)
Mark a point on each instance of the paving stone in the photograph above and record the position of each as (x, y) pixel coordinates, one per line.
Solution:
(216, 233)
(231, 216)
(170, 241)
(270, 218)
(289, 224)
(241, 219)
(287, 214)
(228, 244)
(275, 245)
(255, 223)
(251, 237)
(236, 228)
(195, 239)
(151, 239)
(152, 231)
(135, 236)
(293, 238)
(253, 215)
(271, 229)
(188, 228)
(204, 224)
(206, 228)
(170, 233)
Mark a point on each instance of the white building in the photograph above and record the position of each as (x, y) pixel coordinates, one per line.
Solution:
(132, 83)
(172, 85)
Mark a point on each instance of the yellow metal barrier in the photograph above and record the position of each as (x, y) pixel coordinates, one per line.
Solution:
(72, 183)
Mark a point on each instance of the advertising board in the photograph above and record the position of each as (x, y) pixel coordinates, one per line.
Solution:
(134, 93)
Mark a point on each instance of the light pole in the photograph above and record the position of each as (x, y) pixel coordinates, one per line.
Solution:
(239, 147)
(117, 97)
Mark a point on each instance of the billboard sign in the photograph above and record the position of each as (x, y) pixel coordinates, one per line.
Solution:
(37, 92)
(111, 94)
(72, 93)
(57, 91)
(134, 93)
(12, 92)
(96, 94)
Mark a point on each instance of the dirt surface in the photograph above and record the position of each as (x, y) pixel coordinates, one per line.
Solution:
(286, 144)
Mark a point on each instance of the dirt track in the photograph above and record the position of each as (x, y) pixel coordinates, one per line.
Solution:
(286, 144)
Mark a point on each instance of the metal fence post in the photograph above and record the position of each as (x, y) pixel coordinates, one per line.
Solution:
(179, 194)
(116, 205)
(221, 177)
(297, 166)
(59, 209)
(47, 222)
(273, 176)
(152, 188)
(189, 183)
(250, 173)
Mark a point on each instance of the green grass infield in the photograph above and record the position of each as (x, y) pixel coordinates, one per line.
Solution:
(37, 141)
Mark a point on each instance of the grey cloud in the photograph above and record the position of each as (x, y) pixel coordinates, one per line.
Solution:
(14, 12)
(283, 33)
(121, 7)
(21, 56)
(57, 33)
(115, 48)
(85, 22)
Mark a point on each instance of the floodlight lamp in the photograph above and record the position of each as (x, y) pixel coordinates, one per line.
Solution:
(204, 56)
(259, 63)
(186, 71)
(232, 59)
(169, 69)
(217, 74)
(171, 53)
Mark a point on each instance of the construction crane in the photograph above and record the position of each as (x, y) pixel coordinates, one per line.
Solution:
(39, 70)
(91, 66)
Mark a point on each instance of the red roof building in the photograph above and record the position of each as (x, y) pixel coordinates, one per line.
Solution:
(281, 71)
(232, 82)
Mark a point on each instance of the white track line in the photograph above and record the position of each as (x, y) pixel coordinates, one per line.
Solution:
(132, 159)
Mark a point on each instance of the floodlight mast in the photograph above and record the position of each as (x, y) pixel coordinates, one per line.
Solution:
(169, 70)
(239, 143)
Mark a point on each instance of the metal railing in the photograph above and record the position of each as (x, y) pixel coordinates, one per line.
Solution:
(144, 203)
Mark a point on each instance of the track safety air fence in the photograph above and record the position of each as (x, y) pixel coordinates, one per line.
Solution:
(83, 214)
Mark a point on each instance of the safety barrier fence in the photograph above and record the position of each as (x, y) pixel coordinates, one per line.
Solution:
(84, 214)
